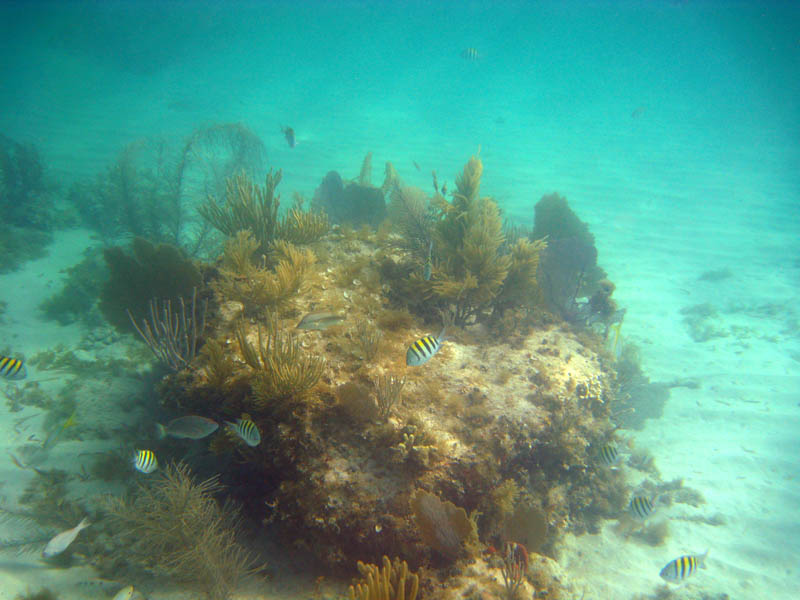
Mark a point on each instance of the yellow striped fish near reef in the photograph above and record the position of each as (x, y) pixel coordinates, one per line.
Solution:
(12, 368)
(423, 349)
(145, 461)
(641, 507)
(676, 571)
(246, 430)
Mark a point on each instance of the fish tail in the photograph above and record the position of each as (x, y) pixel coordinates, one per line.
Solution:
(85, 522)
(441, 338)
(701, 560)
(161, 431)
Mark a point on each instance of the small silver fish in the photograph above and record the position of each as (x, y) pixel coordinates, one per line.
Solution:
(12, 368)
(145, 461)
(246, 430)
(641, 507)
(62, 541)
(677, 570)
(192, 427)
(318, 321)
(423, 349)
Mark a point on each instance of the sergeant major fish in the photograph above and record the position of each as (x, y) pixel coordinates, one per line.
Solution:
(609, 455)
(423, 349)
(145, 461)
(677, 570)
(12, 368)
(246, 430)
(62, 541)
(641, 507)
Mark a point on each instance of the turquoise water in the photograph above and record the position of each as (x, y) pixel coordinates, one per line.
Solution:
(671, 127)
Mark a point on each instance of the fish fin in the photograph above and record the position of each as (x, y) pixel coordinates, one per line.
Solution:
(701, 560)
(161, 431)
(441, 338)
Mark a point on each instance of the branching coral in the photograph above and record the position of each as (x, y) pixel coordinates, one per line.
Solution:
(173, 526)
(392, 582)
(367, 338)
(389, 390)
(256, 286)
(282, 370)
(248, 206)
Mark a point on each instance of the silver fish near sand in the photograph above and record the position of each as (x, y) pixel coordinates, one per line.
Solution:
(318, 321)
(677, 570)
(191, 427)
(62, 541)
(246, 430)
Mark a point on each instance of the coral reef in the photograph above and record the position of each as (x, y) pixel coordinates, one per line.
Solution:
(491, 441)
(173, 526)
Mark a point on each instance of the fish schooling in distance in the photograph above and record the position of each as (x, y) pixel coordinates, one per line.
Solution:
(317, 321)
(145, 461)
(62, 541)
(424, 348)
(191, 427)
(246, 430)
(677, 570)
(12, 368)
(288, 133)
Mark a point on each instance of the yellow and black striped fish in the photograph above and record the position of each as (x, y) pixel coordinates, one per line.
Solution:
(12, 368)
(470, 54)
(247, 430)
(145, 461)
(641, 507)
(609, 454)
(682, 567)
(423, 349)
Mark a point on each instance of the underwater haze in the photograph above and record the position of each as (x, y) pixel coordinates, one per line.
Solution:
(669, 132)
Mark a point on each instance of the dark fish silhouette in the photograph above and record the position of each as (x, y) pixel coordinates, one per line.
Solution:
(288, 133)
